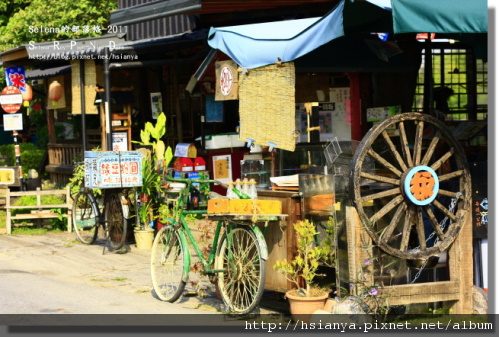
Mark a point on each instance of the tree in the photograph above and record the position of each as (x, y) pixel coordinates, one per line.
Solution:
(50, 20)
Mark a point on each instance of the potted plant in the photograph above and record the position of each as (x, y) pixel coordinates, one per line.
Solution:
(148, 192)
(302, 270)
(154, 161)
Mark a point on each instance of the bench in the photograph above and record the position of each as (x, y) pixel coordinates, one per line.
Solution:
(39, 211)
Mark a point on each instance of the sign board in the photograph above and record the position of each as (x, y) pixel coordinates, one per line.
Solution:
(13, 122)
(7, 175)
(227, 86)
(15, 76)
(222, 168)
(11, 99)
(113, 169)
(120, 141)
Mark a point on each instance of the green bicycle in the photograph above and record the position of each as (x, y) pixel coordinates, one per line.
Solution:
(236, 260)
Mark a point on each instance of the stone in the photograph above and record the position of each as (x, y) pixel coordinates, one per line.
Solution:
(480, 301)
(330, 303)
(351, 312)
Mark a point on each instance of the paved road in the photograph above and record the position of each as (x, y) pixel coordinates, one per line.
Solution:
(54, 273)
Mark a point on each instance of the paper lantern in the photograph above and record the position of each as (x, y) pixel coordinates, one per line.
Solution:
(27, 95)
(55, 92)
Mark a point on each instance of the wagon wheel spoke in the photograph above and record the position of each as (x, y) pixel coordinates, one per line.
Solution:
(430, 150)
(405, 145)
(407, 228)
(383, 194)
(442, 160)
(387, 208)
(380, 178)
(450, 194)
(387, 234)
(434, 223)
(396, 154)
(418, 143)
(420, 229)
(444, 210)
(383, 162)
(448, 176)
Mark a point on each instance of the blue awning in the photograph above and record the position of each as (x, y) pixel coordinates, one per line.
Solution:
(256, 45)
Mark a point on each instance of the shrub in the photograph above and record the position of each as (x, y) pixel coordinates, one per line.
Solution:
(31, 156)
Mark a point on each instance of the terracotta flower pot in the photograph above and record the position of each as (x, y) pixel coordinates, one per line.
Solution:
(302, 308)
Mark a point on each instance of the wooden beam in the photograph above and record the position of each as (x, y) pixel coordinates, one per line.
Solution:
(15, 55)
(423, 292)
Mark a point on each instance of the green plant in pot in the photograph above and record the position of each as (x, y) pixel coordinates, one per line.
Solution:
(303, 269)
(154, 161)
(148, 192)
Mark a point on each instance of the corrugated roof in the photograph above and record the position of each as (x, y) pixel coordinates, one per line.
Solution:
(45, 73)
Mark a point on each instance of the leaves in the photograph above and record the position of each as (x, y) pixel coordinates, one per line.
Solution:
(308, 256)
(43, 20)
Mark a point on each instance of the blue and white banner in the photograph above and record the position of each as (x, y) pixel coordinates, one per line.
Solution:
(16, 76)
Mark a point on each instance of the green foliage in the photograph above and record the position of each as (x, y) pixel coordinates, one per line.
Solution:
(151, 184)
(30, 200)
(305, 264)
(162, 154)
(78, 177)
(20, 19)
(31, 156)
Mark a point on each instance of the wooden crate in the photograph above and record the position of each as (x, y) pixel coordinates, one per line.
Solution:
(244, 206)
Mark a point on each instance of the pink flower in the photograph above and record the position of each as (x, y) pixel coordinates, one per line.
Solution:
(374, 291)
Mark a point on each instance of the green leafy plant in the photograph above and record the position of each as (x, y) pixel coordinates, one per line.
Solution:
(31, 156)
(303, 268)
(151, 184)
(78, 177)
(30, 200)
(162, 154)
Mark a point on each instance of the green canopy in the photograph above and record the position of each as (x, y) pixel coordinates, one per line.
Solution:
(439, 16)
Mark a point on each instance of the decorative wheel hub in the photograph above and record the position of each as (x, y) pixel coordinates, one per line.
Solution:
(420, 185)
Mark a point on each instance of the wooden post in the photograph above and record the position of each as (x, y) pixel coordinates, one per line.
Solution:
(461, 266)
(358, 241)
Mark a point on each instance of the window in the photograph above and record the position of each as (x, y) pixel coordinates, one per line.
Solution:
(460, 88)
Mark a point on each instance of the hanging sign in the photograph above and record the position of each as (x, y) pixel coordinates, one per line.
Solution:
(16, 77)
(226, 81)
(7, 175)
(13, 122)
(11, 99)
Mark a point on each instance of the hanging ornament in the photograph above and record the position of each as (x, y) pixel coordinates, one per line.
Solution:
(27, 95)
(55, 92)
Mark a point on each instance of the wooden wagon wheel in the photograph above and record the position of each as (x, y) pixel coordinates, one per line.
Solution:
(422, 180)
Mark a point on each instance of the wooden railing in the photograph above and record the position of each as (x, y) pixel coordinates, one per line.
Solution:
(61, 161)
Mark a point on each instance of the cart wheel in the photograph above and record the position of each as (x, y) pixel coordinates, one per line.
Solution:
(421, 186)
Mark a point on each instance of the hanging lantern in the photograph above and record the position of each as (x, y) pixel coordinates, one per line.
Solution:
(27, 95)
(55, 92)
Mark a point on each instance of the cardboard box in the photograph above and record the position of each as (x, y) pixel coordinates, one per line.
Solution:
(223, 141)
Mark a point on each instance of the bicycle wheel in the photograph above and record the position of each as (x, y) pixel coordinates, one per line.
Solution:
(85, 220)
(242, 280)
(168, 259)
(116, 220)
